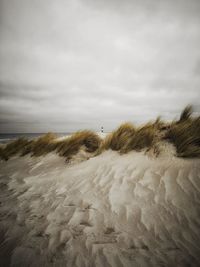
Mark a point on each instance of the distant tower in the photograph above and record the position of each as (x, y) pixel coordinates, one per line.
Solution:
(102, 129)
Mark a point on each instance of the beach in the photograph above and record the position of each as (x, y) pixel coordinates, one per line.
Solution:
(100, 133)
(126, 198)
(110, 210)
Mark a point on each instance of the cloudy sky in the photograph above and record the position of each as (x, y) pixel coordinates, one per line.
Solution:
(67, 65)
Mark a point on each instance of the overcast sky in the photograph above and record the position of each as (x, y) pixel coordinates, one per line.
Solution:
(67, 65)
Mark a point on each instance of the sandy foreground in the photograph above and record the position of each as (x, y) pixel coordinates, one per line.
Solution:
(111, 210)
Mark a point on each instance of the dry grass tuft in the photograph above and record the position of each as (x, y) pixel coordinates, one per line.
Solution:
(3, 155)
(42, 145)
(143, 137)
(23, 146)
(185, 135)
(13, 148)
(118, 138)
(88, 140)
(186, 114)
(70, 146)
(127, 137)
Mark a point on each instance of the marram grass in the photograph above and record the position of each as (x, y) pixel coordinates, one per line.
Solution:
(13, 148)
(184, 134)
(87, 140)
(142, 138)
(118, 138)
(43, 144)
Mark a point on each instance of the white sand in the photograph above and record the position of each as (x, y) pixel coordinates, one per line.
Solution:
(111, 210)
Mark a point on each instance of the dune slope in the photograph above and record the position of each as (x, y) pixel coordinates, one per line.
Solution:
(111, 210)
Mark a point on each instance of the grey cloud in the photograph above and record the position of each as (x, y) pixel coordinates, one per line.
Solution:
(182, 8)
(67, 65)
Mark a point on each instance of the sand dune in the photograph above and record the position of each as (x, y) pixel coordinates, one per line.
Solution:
(110, 210)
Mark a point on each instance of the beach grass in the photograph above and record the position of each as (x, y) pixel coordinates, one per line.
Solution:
(142, 138)
(118, 138)
(88, 140)
(13, 148)
(183, 133)
(42, 145)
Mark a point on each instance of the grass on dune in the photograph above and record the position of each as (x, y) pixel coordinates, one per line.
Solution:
(127, 137)
(23, 146)
(119, 137)
(13, 148)
(185, 134)
(70, 146)
(142, 138)
(42, 145)
(186, 114)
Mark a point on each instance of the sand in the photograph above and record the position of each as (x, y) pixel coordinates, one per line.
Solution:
(110, 210)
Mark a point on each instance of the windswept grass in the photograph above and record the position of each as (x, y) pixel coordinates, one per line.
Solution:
(23, 146)
(13, 148)
(186, 114)
(42, 145)
(3, 154)
(119, 137)
(185, 134)
(70, 146)
(127, 137)
(142, 138)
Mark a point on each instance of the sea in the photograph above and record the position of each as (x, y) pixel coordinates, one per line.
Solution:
(7, 137)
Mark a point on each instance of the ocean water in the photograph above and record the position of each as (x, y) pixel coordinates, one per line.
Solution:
(7, 137)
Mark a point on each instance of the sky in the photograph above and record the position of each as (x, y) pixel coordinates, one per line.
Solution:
(67, 65)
